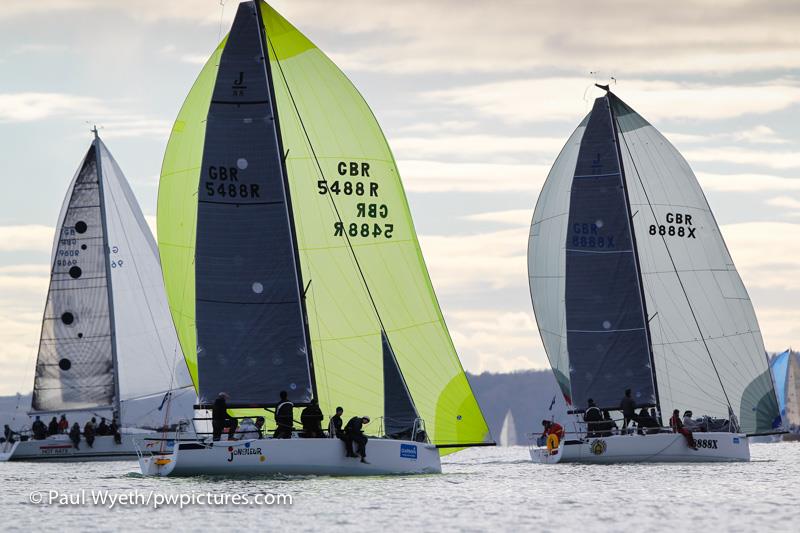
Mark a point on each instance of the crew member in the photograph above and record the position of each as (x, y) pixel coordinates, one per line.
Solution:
(335, 424)
(592, 416)
(8, 434)
(284, 417)
(75, 435)
(677, 427)
(311, 418)
(353, 433)
(552, 428)
(647, 424)
(89, 432)
(102, 429)
(607, 427)
(113, 429)
(52, 427)
(39, 429)
(689, 423)
(260, 426)
(63, 425)
(628, 408)
(220, 418)
(247, 430)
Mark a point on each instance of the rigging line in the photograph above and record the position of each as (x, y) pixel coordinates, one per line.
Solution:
(338, 215)
(675, 268)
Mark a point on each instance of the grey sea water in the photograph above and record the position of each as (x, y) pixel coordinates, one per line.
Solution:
(481, 489)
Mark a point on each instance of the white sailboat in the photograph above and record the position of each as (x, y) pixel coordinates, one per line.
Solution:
(508, 433)
(291, 264)
(633, 288)
(108, 347)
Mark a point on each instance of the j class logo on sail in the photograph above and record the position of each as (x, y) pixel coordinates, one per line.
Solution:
(368, 219)
(587, 235)
(236, 452)
(676, 225)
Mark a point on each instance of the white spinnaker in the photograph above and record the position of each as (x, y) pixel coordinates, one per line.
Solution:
(547, 258)
(706, 341)
(149, 356)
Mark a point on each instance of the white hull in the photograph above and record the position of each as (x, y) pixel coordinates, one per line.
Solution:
(60, 449)
(658, 448)
(292, 456)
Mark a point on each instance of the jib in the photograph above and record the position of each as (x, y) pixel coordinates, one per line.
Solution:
(353, 168)
(223, 173)
(679, 218)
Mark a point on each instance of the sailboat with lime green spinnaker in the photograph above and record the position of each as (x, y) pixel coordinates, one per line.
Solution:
(291, 264)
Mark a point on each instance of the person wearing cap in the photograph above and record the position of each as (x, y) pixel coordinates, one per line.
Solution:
(220, 419)
(353, 433)
(592, 416)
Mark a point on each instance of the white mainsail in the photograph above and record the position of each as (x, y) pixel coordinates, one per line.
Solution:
(107, 336)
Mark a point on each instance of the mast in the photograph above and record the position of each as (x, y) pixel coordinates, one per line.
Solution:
(625, 193)
(109, 289)
(262, 31)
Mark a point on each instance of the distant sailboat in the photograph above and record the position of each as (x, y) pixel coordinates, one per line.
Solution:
(108, 346)
(633, 287)
(785, 368)
(508, 434)
(292, 264)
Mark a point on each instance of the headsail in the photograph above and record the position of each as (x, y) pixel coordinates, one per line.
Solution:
(75, 368)
(705, 343)
(365, 283)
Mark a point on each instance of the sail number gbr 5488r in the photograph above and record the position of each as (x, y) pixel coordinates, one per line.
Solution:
(370, 215)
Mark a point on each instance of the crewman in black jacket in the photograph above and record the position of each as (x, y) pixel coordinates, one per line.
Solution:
(220, 418)
(284, 418)
(353, 433)
(593, 418)
(628, 408)
(335, 424)
(311, 418)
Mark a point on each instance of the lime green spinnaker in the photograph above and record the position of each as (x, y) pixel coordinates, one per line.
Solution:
(358, 250)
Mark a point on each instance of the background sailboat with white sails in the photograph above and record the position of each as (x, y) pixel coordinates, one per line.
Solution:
(291, 263)
(108, 347)
(633, 287)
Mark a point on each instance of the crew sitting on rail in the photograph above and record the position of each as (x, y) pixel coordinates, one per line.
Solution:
(647, 424)
(353, 433)
(75, 435)
(113, 429)
(52, 427)
(592, 416)
(260, 426)
(8, 434)
(335, 424)
(677, 427)
(63, 425)
(284, 418)
(689, 423)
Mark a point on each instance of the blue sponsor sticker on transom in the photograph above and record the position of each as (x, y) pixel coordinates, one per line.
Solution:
(408, 451)
(736, 440)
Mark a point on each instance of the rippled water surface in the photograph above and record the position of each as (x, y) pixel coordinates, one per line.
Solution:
(489, 488)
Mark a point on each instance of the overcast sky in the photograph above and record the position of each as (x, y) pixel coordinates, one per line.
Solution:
(476, 99)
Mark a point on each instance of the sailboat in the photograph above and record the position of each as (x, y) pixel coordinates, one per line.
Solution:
(785, 368)
(508, 433)
(292, 264)
(633, 288)
(108, 347)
